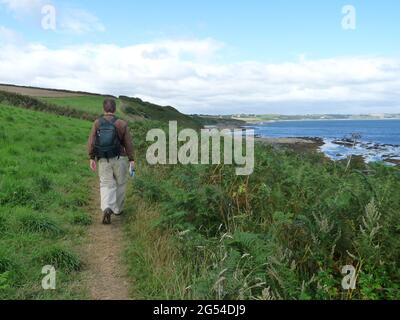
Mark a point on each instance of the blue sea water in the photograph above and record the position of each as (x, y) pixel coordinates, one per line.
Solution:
(379, 139)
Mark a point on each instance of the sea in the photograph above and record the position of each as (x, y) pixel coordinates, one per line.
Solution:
(375, 140)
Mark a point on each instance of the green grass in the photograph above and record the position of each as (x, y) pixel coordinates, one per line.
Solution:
(43, 189)
(88, 107)
(91, 104)
(81, 218)
(126, 108)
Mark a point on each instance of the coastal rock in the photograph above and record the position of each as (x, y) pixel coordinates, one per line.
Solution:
(344, 143)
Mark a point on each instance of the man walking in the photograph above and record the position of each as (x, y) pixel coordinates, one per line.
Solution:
(110, 144)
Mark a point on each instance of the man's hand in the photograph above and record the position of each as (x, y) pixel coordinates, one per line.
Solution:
(93, 165)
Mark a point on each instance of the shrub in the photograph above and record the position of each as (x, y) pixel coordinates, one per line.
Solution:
(60, 258)
(3, 135)
(5, 263)
(3, 224)
(44, 184)
(81, 218)
(36, 223)
(286, 231)
(4, 280)
(16, 195)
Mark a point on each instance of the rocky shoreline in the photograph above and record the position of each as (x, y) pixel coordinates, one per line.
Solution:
(339, 149)
(334, 149)
(369, 151)
(296, 143)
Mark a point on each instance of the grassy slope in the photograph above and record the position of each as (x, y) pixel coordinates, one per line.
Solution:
(43, 188)
(133, 109)
(90, 104)
(149, 111)
(129, 108)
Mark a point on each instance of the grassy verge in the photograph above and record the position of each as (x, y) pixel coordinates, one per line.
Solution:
(91, 103)
(153, 255)
(43, 190)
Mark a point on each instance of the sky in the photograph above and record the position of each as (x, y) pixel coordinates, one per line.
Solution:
(211, 57)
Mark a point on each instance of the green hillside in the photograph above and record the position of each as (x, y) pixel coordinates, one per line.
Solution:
(129, 108)
(31, 103)
(90, 103)
(148, 111)
(43, 189)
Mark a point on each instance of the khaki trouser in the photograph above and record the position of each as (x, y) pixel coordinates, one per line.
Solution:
(114, 175)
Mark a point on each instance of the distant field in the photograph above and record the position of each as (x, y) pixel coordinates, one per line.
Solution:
(219, 121)
(43, 190)
(90, 104)
(132, 109)
(37, 92)
(262, 118)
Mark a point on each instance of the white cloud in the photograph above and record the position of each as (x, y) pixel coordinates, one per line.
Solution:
(69, 19)
(22, 6)
(185, 74)
(79, 21)
(8, 35)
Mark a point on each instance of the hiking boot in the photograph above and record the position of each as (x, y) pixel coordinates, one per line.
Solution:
(107, 216)
(119, 214)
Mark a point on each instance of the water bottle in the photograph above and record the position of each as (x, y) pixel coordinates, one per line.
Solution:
(132, 172)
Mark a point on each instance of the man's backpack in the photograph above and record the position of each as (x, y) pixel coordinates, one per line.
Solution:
(108, 144)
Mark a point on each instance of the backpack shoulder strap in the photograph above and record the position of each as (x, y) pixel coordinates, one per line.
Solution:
(101, 120)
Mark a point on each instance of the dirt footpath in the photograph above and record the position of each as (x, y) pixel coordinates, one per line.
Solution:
(106, 274)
